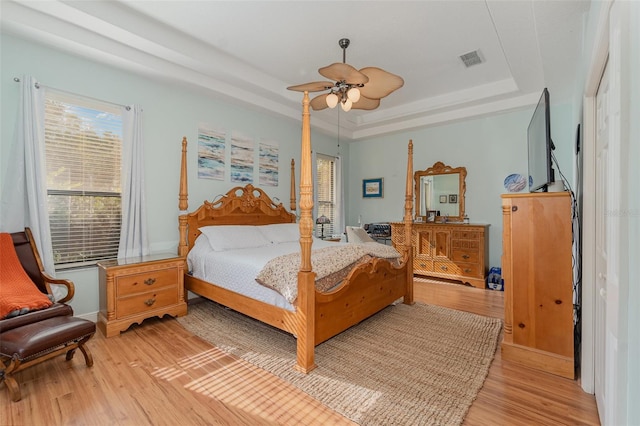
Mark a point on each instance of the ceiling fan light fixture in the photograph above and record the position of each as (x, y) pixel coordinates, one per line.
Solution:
(332, 100)
(354, 94)
(349, 87)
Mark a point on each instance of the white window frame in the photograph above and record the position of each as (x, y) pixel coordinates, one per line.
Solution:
(326, 192)
(86, 227)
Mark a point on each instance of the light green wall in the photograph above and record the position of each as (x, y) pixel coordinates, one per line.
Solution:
(490, 148)
(170, 112)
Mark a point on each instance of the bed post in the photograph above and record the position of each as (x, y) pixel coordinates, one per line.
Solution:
(183, 203)
(292, 196)
(305, 310)
(408, 222)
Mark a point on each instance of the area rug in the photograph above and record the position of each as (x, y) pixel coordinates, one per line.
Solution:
(406, 365)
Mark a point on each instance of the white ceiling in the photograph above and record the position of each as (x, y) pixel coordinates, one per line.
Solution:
(250, 51)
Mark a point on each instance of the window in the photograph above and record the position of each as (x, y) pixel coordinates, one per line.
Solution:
(83, 149)
(326, 190)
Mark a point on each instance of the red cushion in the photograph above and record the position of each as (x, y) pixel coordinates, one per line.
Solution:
(17, 292)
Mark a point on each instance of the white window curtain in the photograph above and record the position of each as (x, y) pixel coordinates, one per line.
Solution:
(133, 234)
(24, 192)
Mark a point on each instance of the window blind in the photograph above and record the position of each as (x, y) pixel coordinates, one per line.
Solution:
(326, 190)
(83, 140)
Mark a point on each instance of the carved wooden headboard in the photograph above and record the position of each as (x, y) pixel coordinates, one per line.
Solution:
(242, 205)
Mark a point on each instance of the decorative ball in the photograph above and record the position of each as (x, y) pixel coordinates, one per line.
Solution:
(515, 182)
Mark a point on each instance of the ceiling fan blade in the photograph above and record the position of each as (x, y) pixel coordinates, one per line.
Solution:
(343, 72)
(316, 86)
(319, 102)
(366, 103)
(381, 83)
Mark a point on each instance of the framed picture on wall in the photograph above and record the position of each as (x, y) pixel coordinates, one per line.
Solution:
(372, 188)
(443, 199)
(453, 198)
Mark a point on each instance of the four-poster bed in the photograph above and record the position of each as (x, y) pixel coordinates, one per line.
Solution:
(316, 316)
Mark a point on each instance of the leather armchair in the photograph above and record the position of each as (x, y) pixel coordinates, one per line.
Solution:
(37, 336)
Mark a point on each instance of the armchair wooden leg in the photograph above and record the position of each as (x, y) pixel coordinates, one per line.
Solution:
(88, 359)
(13, 387)
(6, 377)
(70, 354)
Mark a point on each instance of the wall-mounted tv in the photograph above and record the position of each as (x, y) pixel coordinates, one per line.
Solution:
(540, 146)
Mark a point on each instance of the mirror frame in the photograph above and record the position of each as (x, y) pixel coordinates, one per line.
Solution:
(439, 168)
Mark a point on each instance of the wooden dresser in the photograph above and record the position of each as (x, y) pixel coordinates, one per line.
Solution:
(455, 251)
(132, 290)
(538, 281)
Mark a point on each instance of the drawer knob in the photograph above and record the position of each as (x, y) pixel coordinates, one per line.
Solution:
(149, 281)
(444, 268)
(150, 302)
(423, 265)
(466, 271)
(465, 256)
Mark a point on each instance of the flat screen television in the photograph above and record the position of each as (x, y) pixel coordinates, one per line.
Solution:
(540, 146)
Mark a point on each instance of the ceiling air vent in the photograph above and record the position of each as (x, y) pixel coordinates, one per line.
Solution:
(471, 58)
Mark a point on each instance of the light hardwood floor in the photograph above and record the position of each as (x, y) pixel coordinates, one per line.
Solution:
(158, 373)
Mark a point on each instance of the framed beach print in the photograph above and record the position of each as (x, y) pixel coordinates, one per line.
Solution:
(453, 198)
(372, 188)
(443, 199)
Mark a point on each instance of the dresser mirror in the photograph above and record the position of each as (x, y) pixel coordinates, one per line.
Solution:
(440, 193)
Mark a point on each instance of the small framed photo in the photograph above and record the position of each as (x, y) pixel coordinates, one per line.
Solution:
(443, 199)
(453, 198)
(418, 219)
(372, 188)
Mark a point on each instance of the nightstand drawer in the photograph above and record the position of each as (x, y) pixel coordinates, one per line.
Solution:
(146, 301)
(146, 281)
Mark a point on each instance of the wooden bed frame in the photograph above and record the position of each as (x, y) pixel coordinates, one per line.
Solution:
(368, 288)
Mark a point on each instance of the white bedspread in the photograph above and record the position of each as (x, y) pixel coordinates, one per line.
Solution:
(236, 270)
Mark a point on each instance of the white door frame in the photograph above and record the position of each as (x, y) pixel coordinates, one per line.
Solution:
(599, 57)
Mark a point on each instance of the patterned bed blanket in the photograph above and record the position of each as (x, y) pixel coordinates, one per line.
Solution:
(331, 265)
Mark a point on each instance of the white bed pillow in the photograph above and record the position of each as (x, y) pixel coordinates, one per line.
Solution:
(355, 234)
(229, 237)
(281, 232)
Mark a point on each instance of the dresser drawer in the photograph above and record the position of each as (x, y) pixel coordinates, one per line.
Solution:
(465, 234)
(470, 270)
(422, 266)
(471, 256)
(148, 301)
(146, 281)
(445, 267)
(465, 245)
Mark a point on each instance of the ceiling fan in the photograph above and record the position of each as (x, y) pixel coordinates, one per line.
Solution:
(352, 88)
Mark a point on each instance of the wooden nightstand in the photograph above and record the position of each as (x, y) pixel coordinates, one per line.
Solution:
(134, 289)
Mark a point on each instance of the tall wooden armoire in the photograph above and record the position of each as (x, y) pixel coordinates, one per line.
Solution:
(538, 281)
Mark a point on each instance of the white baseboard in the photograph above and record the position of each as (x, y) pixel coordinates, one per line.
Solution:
(91, 316)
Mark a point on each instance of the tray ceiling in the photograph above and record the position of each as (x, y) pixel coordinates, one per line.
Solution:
(249, 51)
